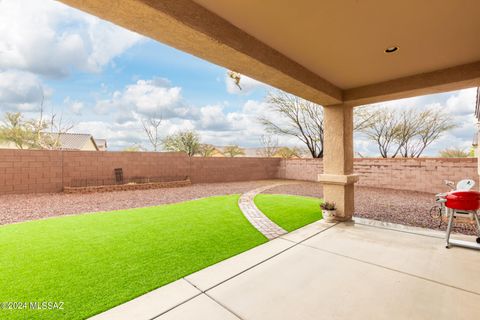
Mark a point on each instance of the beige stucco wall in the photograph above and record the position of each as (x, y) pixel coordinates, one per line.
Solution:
(89, 146)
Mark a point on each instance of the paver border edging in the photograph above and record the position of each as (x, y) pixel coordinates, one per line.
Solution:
(256, 217)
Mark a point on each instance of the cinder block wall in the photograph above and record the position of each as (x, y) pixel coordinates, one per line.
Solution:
(32, 171)
(233, 169)
(423, 174)
(28, 171)
(35, 171)
(95, 167)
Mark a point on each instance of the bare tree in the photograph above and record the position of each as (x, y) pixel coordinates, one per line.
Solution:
(362, 117)
(383, 131)
(406, 133)
(233, 151)
(183, 141)
(206, 150)
(48, 130)
(430, 124)
(269, 146)
(299, 118)
(151, 127)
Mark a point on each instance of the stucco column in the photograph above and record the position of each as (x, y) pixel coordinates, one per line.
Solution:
(338, 178)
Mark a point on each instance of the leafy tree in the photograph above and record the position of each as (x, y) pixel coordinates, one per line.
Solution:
(17, 130)
(454, 153)
(206, 150)
(288, 153)
(269, 146)
(134, 148)
(233, 151)
(183, 141)
(40, 133)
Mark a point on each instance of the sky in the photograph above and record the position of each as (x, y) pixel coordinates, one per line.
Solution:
(105, 79)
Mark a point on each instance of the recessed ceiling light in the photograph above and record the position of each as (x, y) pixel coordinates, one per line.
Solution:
(391, 49)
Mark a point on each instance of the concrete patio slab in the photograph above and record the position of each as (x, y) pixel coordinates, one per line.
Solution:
(222, 271)
(201, 307)
(346, 271)
(418, 255)
(307, 283)
(308, 231)
(152, 304)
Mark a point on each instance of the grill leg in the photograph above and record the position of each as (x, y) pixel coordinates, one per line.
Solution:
(449, 227)
(477, 220)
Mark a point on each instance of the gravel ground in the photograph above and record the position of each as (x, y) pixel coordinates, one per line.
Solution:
(16, 208)
(404, 207)
(396, 206)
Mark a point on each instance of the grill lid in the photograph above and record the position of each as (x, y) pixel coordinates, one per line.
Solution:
(463, 200)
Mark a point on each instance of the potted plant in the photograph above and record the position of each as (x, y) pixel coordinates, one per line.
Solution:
(328, 211)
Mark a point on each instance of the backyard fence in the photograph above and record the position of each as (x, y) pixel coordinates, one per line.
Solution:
(417, 174)
(38, 171)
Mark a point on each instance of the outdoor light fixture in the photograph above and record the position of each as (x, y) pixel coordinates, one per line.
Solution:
(391, 49)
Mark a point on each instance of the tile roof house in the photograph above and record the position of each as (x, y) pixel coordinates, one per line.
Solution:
(72, 141)
(78, 141)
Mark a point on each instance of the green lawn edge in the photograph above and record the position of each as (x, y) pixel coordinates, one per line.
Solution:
(288, 211)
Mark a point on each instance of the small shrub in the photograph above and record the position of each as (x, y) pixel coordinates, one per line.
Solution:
(328, 205)
(454, 153)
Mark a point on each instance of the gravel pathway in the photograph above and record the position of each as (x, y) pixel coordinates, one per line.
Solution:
(395, 206)
(256, 217)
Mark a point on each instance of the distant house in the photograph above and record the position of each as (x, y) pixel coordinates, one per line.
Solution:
(78, 141)
(72, 141)
(101, 144)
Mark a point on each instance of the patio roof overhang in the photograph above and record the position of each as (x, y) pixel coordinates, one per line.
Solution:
(330, 52)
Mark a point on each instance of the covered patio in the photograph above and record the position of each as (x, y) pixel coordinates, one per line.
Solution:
(339, 54)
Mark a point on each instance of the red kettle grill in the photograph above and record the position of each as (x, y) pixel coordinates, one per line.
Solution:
(464, 201)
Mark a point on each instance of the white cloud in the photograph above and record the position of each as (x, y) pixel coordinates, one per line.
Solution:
(247, 84)
(213, 118)
(214, 124)
(118, 136)
(20, 91)
(74, 106)
(146, 97)
(50, 38)
(462, 102)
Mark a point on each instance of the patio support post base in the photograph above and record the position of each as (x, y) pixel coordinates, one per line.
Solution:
(343, 196)
(338, 178)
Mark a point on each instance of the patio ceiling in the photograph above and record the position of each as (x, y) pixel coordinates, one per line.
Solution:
(330, 52)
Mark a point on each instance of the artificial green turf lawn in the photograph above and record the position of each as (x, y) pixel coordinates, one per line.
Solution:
(289, 212)
(93, 262)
